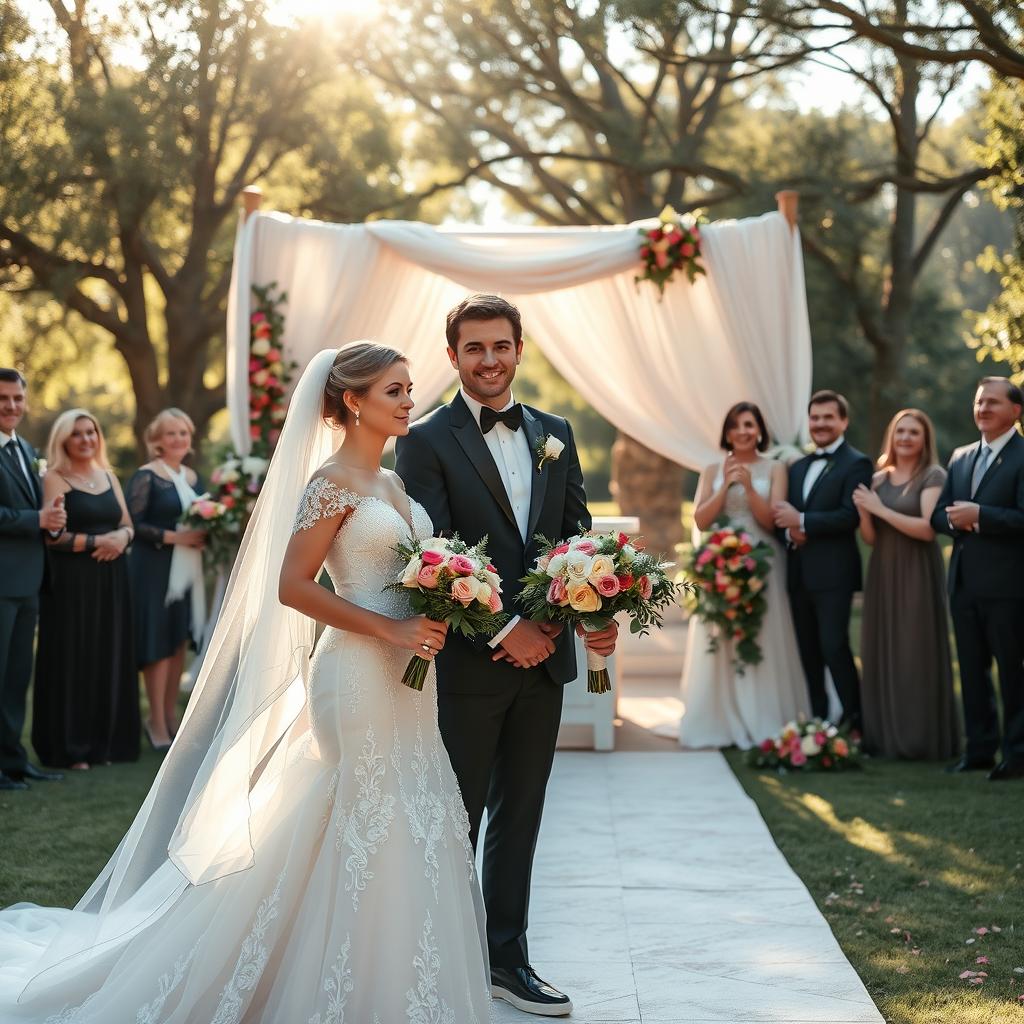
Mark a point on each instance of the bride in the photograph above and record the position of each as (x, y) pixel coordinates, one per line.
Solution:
(721, 707)
(303, 855)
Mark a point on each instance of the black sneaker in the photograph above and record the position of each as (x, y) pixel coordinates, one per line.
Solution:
(521, 987)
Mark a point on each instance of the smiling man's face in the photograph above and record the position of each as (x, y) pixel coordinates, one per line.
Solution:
(486, 358)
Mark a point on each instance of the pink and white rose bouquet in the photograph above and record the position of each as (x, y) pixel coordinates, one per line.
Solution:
(806, 744)
(590, 578)
(449, 581)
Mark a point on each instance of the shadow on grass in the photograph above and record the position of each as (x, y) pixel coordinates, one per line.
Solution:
(905, 863)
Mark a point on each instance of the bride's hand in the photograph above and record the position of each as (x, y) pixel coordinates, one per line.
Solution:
(734, 472)
(418, 634)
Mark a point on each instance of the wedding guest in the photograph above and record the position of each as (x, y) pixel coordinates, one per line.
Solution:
(819, 523)
(23, 518)
(86, 698)
(982, 507)
(166, 568)
(724, 707)
(907, 685)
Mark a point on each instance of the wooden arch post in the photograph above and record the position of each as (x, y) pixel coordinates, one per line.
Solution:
(252, 197)
(789, 205)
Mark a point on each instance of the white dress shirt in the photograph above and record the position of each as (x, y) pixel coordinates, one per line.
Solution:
(19, 452)
(816, 468)
(510, 450)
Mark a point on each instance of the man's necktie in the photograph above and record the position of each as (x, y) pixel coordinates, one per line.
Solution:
(980, 465)
(512, 417)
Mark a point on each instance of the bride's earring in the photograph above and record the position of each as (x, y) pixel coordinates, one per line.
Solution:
(357, 417)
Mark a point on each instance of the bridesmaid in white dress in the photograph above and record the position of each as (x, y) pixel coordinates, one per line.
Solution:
(722, 707)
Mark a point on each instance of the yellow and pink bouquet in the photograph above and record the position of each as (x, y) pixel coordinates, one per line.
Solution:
(449, 581)
(730, 569)
(808, 744)
(588, 579)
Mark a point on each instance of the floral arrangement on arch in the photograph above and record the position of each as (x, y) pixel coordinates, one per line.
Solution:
(236, 481)
(672, 245)
(730, 569)
(808, 744)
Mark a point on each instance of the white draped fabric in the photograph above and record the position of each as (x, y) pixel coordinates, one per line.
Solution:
(662, 369)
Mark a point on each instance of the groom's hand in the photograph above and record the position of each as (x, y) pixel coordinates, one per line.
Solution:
(602, 641)
(525, 645)
(786, 516)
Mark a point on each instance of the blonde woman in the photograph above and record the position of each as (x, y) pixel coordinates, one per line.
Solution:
(86, 698)
(909, 709)
(166, 616)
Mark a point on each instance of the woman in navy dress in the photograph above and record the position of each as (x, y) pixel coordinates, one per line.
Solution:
(86, 695)
(162, 629)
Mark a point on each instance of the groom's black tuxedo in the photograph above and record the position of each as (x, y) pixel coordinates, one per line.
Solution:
(824, 573)
(986, 596)
(499, 723)
(22, 566)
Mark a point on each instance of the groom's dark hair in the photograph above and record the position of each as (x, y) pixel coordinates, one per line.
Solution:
(482, 307)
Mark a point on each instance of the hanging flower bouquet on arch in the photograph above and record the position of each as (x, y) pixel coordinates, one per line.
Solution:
(672, 245)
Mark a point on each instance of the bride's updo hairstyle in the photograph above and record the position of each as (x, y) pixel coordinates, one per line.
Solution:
(357, 367)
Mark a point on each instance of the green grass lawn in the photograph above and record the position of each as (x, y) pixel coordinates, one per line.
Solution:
(906, 862)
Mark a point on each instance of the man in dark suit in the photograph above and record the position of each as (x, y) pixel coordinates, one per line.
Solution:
(819, 523)
(982, 508)
(22, 561)
(473, 465)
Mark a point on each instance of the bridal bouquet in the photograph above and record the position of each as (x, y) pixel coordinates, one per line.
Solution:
(806, 744)
(449, 581)
(730, 569)
(212, 516)
(588, 579)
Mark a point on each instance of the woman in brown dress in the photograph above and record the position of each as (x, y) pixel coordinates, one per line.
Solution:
(909, 710)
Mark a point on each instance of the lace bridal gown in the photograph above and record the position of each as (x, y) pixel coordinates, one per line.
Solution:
(721, 707)
(361, 904)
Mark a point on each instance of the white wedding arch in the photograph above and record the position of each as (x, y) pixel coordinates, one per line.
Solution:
(662, 369)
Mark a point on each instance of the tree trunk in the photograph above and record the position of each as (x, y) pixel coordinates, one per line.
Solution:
(650, 486)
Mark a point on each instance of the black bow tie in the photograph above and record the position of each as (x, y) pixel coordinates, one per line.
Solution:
(512, 417)
(827, 456)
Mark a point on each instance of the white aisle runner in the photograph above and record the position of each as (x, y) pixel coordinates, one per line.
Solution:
(660, 897)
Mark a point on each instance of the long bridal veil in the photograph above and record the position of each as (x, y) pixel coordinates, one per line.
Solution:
(247, 707)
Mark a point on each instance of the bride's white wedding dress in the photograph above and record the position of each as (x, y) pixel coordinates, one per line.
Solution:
(361, 903)
(721, 707)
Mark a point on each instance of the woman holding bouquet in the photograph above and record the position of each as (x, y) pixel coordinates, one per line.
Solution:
(304, 853)
(169, 608)
(726, 704)
(86, 696)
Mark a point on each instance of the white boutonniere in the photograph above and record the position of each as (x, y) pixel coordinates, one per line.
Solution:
(548, 450)
(39, 465)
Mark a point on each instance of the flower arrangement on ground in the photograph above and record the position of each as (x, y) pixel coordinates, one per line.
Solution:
(237, 480)
(730, 569)
(805, 745)
(449, 581)
(672, 245)
(587, 580)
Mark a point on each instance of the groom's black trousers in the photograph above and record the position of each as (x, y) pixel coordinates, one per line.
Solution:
(501, 746)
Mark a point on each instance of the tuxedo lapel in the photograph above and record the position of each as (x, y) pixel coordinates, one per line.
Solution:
(467, 433)
(993, 466)
(800, 471)
(826, 469)
(14, 470)
(534, 431)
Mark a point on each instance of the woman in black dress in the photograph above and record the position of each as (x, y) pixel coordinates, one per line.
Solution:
(86, 696)
(162, 628)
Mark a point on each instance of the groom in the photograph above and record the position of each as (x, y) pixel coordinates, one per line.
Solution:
(473, 465)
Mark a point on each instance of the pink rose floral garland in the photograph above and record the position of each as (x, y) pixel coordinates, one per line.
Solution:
(237, 479)
(808, 744)
(669, 247)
